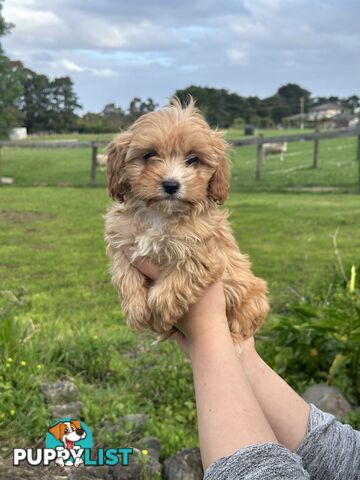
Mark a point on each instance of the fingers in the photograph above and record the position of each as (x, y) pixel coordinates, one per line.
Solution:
(146, 267)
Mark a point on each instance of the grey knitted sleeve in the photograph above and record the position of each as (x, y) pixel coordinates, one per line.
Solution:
(330, 449)
(269, 461)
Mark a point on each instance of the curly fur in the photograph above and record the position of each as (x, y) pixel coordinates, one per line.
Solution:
(187, 234)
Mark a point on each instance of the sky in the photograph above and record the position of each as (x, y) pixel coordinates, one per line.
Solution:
(115, 50)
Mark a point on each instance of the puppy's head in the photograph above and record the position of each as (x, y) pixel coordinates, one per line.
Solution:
(170, 159)
(68, 432)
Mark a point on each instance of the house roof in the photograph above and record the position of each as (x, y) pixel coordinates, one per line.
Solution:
(298, 116)
(327, 106)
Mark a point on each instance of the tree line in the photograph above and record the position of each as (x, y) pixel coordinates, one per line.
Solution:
(42, 104)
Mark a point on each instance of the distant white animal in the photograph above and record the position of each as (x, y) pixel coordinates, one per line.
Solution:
(101, 161)
(6, 180)
(274, 148)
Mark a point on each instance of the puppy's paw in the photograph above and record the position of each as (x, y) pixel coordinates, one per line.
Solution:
(165, 311)
(137, 315)
(60, 462)
(78, 462)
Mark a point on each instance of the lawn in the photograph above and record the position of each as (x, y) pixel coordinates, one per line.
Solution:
(338, 168)
(70, 324)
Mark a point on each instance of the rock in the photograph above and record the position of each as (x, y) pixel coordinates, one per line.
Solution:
(8, 471)
(185, 465)
(65, 410)
(129, 423)
(62, 391)
(135, 422)
(329, 399)
(141, 467)
(90, 473)
(151, 444)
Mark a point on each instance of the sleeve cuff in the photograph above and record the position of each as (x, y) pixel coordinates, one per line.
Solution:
(257, 462)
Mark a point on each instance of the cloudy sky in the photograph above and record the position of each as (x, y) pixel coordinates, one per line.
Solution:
(115, 50)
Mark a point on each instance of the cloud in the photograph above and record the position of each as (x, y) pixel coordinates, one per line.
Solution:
(33, 24)
(237, 56)
(70, 66)
(152, 48)
(73, 67)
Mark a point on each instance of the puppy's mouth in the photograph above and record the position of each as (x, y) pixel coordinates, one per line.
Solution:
(169, 204)
(165, 198)
(69, 444)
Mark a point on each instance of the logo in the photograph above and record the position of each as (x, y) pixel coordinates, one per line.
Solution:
(69, 442)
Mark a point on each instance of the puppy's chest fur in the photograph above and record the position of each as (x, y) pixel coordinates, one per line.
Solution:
(162, 238)
(151, 235)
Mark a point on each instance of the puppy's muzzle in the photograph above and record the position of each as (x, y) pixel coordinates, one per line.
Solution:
(170, 186)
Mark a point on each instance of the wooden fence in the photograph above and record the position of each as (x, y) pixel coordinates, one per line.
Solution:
(258, 141)
(59, 144)
(306, 137)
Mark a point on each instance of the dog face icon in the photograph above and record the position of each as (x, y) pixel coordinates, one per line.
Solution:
(68, 432)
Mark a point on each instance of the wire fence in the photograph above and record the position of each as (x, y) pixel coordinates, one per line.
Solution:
(317, 160)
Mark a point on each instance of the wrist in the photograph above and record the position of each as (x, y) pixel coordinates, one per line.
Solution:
(216, 331)
(250, 359)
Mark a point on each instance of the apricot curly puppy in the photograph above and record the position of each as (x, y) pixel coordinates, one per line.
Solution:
(167, 173)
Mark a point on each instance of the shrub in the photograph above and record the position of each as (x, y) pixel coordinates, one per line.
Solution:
(238, 123)
(317, 340)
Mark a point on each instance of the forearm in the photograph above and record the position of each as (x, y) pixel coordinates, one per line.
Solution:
(284, 409)
(229, 416)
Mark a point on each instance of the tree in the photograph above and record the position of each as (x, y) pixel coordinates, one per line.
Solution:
(219, 107)
(137, 108)
(114, 117)
(35, 101)
(292, 93)
(48, 105)
(10, 86)
(4, 26)
(64, 102)
(352, 103)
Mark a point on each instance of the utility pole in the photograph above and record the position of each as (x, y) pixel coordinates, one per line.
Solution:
(302, 113)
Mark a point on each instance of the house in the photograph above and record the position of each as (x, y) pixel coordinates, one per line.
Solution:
(18, 133)
(327, 115)
(326, 111)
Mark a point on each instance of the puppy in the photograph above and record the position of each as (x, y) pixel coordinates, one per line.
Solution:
(167, 174)
(68, 433)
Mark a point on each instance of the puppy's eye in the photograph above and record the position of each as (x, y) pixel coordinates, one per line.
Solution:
(193, 160)
(66, 430)
(150, 154)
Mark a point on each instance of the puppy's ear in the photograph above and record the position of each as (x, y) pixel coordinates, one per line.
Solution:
(56, 431)
(219, 183)
(76, 423)
(118, 184)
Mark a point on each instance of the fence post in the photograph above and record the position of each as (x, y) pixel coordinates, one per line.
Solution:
(316, 150)
(93, 164)
(0, 166)
(259, 160)
(358, 159)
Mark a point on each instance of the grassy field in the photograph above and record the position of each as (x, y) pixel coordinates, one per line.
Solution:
(69, 322)
(337, 169)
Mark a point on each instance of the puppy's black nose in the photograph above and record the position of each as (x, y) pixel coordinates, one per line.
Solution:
(171, 186)
(80, 431)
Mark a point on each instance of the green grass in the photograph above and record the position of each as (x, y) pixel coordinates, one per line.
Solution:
(81, 137)
(233, 134)
(337, 169)
(68, 321)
